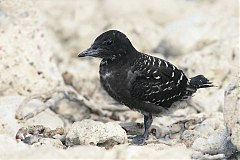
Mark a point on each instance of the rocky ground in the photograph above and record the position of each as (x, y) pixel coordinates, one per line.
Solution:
(52, 105)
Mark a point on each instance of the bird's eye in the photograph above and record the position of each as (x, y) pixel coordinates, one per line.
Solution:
(108, 42)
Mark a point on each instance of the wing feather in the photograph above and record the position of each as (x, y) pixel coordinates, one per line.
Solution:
(157, 81)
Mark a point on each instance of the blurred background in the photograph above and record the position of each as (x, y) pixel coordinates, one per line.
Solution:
(40, 40)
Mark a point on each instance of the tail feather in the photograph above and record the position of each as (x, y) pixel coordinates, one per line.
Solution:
(199, 82)
(195, 83)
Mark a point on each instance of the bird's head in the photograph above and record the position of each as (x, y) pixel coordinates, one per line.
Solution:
(109, 45)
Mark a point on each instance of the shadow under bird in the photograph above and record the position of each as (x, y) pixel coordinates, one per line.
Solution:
(142, 82)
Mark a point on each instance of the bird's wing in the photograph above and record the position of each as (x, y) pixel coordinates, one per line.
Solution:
(157, 81)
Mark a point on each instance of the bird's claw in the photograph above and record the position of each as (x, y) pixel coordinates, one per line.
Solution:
(139, 139)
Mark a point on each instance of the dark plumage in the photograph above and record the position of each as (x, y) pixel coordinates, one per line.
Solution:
(144, 83)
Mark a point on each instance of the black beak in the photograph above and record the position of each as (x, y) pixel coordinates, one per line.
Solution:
(90, 52)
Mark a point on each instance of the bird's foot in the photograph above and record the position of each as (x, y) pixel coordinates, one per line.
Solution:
(139, 139)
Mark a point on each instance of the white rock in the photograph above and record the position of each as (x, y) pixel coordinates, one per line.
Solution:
(95, 133)
(214, 139)
(8, 106)
(49, 142)
(9, 125)
(25, 56)
(200, 144)
(231, 110)
(189, 136)
(46, 118)
(199, 30)
(209, 127)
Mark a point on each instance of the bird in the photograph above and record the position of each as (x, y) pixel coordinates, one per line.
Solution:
(147, 84)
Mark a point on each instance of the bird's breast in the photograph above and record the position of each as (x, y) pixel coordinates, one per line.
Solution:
(113, 80)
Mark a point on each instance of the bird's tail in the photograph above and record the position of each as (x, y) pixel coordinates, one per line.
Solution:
(197, 82)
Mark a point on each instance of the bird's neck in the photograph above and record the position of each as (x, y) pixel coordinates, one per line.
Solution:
(119, 60)
(129, 56)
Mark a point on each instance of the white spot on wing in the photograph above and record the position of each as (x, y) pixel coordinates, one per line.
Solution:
(172, 74)
(169, 88)
(113, 57)
(145, 61)
(149, 58)
(166, 64)
(158, 77)
(154, 72)
(178, 82)
(143, 68)
(181, 76)
(159, 62)
(174, 96)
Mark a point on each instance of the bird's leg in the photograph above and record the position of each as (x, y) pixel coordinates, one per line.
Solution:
(140, 139)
